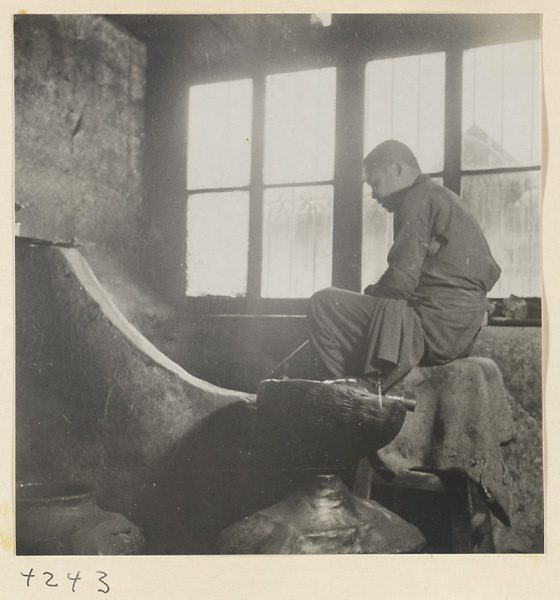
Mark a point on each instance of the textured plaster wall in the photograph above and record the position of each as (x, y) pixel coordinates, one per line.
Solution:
(517, 352)
(165, 158)
(238, 351)
(79, 123)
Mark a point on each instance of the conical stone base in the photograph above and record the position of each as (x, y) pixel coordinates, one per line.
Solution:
(322, 517)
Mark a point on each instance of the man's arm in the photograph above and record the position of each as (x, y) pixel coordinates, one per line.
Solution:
(413, 243)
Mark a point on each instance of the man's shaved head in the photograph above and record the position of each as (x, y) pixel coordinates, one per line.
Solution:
(390, 168)
(391, 151)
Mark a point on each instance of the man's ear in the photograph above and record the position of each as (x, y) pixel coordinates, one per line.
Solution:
(397, 168)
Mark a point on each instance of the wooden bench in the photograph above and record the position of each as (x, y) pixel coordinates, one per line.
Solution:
(448, 510)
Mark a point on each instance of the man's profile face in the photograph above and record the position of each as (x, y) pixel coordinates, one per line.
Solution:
(383, 180)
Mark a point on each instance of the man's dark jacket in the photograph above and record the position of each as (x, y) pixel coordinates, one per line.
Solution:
(432, 297)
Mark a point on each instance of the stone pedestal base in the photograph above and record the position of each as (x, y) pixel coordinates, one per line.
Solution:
(322, 517)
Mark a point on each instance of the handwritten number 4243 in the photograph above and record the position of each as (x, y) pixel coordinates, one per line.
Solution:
(50, 581)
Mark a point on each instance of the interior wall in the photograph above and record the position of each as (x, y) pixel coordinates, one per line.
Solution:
(238, 351)
(79, 128)
(164, 202)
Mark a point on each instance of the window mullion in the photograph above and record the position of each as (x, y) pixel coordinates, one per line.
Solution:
(256, 192)
(347, 214)
(453, 120)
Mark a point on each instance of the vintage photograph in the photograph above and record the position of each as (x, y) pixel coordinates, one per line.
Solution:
(278, 284)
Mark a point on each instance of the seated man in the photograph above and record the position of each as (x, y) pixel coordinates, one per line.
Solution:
(430, 303)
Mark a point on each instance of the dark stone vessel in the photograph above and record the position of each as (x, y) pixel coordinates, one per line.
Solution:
(65, 519)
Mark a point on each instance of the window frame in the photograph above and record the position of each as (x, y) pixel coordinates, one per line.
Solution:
(347, 181)
(498, 300)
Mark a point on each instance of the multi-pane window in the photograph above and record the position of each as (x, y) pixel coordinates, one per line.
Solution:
(500, 149)
(404, 100)
(501, 157)
(261, 216)
(507, 205)
(299, 146)
(217, 243)
(299, 127)
(501, 106)
(297, 241)
(297, 196)
(218, 161)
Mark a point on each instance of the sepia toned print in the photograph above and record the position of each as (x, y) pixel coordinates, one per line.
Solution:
(233, 335)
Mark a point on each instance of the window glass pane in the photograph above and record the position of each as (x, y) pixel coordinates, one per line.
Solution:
(219, 135)
(299, 126)
(297, 241)
(507, 206)
(217, 244)
(501, 106)
(377, 238)
(405, 100)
